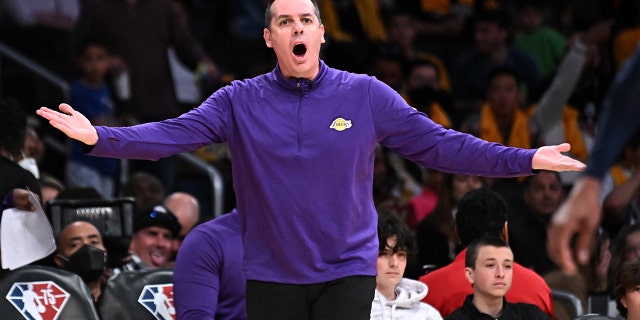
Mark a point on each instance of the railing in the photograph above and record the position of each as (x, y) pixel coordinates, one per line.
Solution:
(570, 299)
(35, 68)
(214, 175)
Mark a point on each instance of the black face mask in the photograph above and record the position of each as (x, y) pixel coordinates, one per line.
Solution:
(87, 262)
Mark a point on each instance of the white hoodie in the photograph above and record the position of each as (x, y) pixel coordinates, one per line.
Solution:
(407, 304)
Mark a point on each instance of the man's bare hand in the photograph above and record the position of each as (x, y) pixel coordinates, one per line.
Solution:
(551, 158)
(21, 200)
(579, 215)
(71, 122)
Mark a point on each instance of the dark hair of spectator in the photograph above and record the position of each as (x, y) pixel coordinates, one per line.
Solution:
(504, 71)
(90, 41)
(474, 248)
(481, 212)
(388, 226)
(627, 278)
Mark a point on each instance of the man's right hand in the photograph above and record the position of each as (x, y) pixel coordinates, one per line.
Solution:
(579, 215)
(74, 124)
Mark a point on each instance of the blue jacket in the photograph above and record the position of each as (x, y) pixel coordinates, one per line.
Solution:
(303, 154)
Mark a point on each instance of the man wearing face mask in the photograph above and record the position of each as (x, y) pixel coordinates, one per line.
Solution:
(80, 250)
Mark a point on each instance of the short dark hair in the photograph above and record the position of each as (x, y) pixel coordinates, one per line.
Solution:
(486, 241)
(504, 71)
(90, 40)
(480, 212)
(627, 277)
(13, 126)
(268, 15)
(388, 226)
(527, 181)
(421, 62)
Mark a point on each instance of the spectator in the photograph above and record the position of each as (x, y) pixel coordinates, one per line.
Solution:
(397, 297)
(470, 71)
(423, 204)
(544, 44)
(489, 270)
(139, 35)
(91, 95)
(80, 250)
(153, 232)
(208, 281)
(424, 91)
(543, 194)
(50, 188)
(402, 26)
(626, 290)
(13, 126)
(124, 23)
(620, 196)
(187, 209)
(625, 247)
(146, 188)
(33, 151)
(352, 29)
(482, 212)
(436, 237)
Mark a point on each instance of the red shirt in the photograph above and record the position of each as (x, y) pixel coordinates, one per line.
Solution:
(448, 287)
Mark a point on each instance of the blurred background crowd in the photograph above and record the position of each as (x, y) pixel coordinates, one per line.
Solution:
(523, 73)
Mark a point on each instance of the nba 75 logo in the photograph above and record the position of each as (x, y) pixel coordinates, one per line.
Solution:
(158, 299)
(39, 300)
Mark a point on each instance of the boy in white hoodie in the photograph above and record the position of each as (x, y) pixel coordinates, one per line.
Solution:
(397, 297)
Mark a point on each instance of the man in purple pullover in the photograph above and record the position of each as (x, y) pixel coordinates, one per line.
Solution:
(303, 139)
(207, 277)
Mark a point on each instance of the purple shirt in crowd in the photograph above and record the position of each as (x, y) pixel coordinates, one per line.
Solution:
(303, 154)
(208, 282)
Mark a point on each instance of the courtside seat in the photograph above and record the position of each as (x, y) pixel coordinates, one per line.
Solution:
(40, 292)
(138, 295)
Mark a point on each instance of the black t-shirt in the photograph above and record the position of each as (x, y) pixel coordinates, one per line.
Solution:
(510, 311)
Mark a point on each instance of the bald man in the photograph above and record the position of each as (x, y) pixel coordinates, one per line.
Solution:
(81, 251)
(187, 209)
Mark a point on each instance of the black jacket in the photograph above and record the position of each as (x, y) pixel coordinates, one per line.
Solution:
(510, 311)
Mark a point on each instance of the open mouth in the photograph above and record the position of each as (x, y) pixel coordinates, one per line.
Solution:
(299, 49)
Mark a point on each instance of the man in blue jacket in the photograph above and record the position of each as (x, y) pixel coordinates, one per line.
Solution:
(303, 139)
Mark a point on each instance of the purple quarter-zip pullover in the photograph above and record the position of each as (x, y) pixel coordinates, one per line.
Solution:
(303, 154)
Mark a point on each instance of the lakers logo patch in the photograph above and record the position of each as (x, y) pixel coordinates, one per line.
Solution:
(340, 124)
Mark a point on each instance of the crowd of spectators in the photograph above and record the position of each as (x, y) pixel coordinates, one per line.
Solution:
(522, 73)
